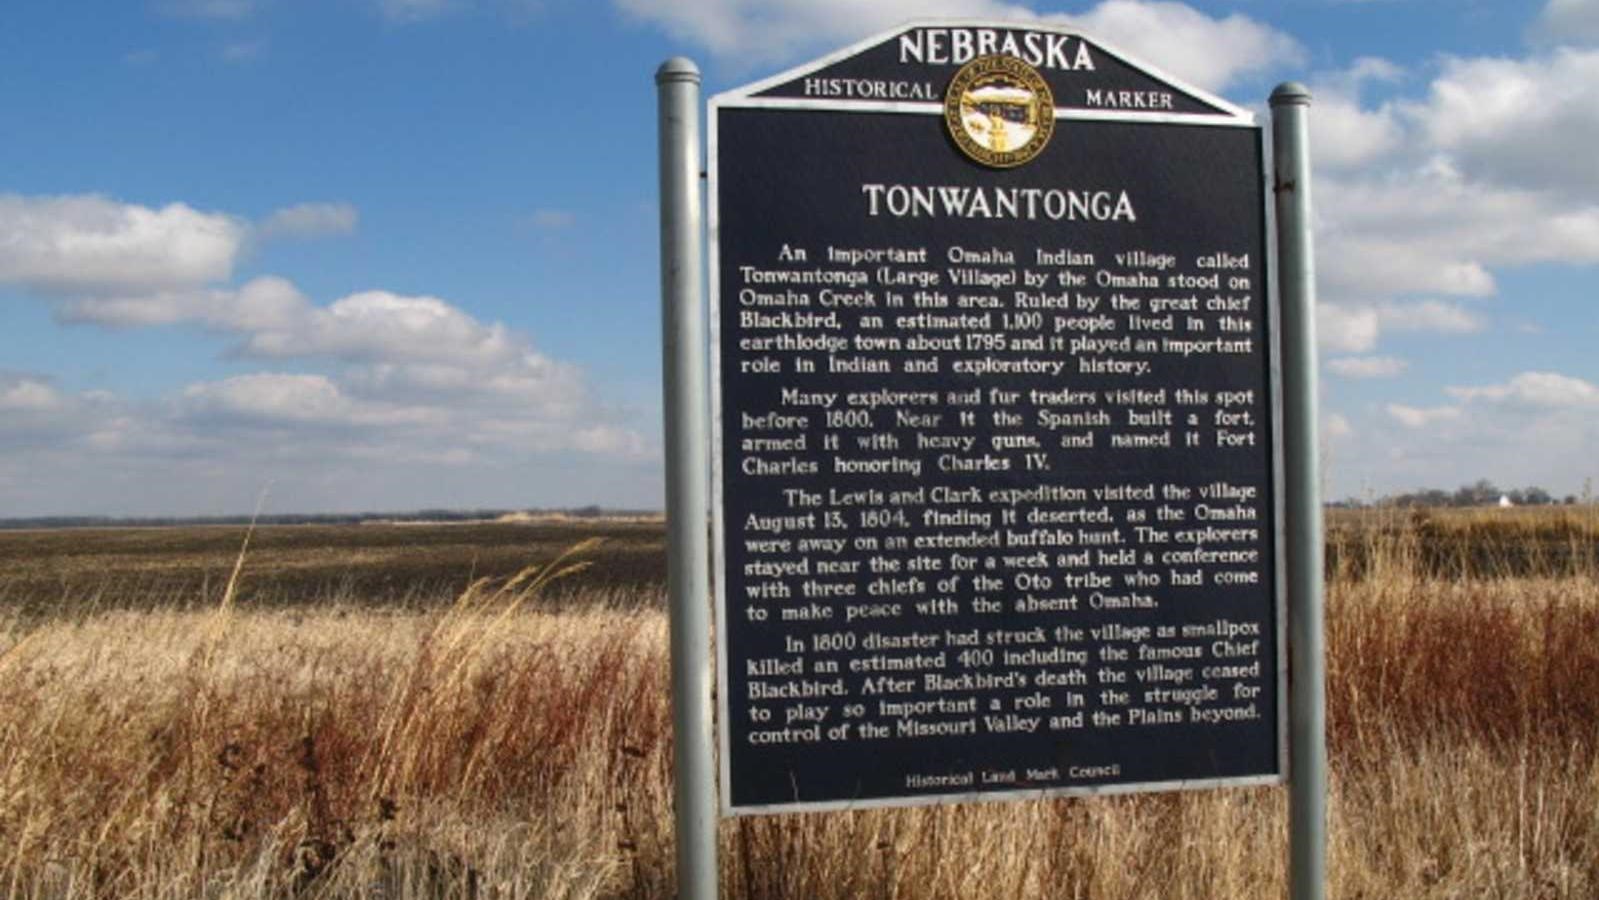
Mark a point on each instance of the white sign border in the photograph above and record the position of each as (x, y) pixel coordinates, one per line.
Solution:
(1236, 117)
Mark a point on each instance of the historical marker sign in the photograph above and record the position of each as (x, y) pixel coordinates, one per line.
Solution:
(994, 460)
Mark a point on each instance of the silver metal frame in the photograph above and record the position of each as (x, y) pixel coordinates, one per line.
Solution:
(1307, 790)
(683, 361)
(1279, 463)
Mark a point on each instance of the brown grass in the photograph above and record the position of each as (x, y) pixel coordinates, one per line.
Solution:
(490, 747)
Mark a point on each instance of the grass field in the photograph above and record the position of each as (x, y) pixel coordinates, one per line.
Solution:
(393, 711)
(388, 566)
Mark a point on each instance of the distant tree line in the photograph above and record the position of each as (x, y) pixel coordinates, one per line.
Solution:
(1481, 492)
(423, 515)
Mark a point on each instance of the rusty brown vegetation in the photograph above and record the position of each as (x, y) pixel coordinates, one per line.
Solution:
(508, 735)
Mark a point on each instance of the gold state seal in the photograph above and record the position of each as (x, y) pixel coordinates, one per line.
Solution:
(999, 110)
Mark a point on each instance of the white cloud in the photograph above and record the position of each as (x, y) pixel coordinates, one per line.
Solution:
(1422, 417)
(774, 30)
(1430, 315)
(1489, 167)
(305, 398)
(1536, 390)
(1567, 22)
(324, 441)
(37, 415)
(273, 398)
(398, 348)
(1346, 329)
(1210, 52)
(23, 394)
(1535, 428)
(261, 304)
(1434, 231)
(611, 440)
(1336, 427)
(381, 326)
(1529, 122)
(1357, 327)
(91, 244)
(1367, 366)
(310, 220)
(1342, 133)
(413, 371)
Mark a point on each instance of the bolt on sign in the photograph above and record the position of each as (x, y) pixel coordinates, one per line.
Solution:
(996, 464)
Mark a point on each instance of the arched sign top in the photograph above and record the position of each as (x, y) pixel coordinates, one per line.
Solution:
(907, 69)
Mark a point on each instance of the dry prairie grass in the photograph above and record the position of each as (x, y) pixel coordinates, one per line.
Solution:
(491, 748)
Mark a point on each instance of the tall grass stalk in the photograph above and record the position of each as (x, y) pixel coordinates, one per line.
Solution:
(483, 745)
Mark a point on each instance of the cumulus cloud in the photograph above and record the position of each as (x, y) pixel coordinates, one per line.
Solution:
(1208, 51)
(420, 365)
(1430, 197)
(1346, 329)
(1546, 390)
(611, 440)
(1434, 231)
(1422, 417)
(1567, 22)
(393, 346)
(1367, 366)
(382, 375)
(37, 414)
(775, 30)
(1356, 328)
(382, 326)
(270, 396)
(1528, 122)
(1536, 427)
(24, 394)
(310, 220)
(91, 244)
(1424, 197)
(261, 304)
(274, 320)
(273, 398)
(1344, 134)
(1430, 315)
(1336, 427)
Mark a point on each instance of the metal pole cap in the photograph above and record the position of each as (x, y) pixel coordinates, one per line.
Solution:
(678, 68)
(1290, 93)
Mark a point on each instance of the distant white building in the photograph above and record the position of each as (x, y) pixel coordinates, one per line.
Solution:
(1505, 501)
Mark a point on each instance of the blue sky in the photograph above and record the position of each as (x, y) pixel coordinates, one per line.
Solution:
(390, 254)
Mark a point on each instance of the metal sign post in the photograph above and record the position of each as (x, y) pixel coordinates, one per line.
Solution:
(683, 359)
(1307, 716)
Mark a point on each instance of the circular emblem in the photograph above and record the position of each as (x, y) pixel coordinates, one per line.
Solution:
(999, 110)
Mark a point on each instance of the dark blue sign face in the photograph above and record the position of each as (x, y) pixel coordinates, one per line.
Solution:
(995, 452)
